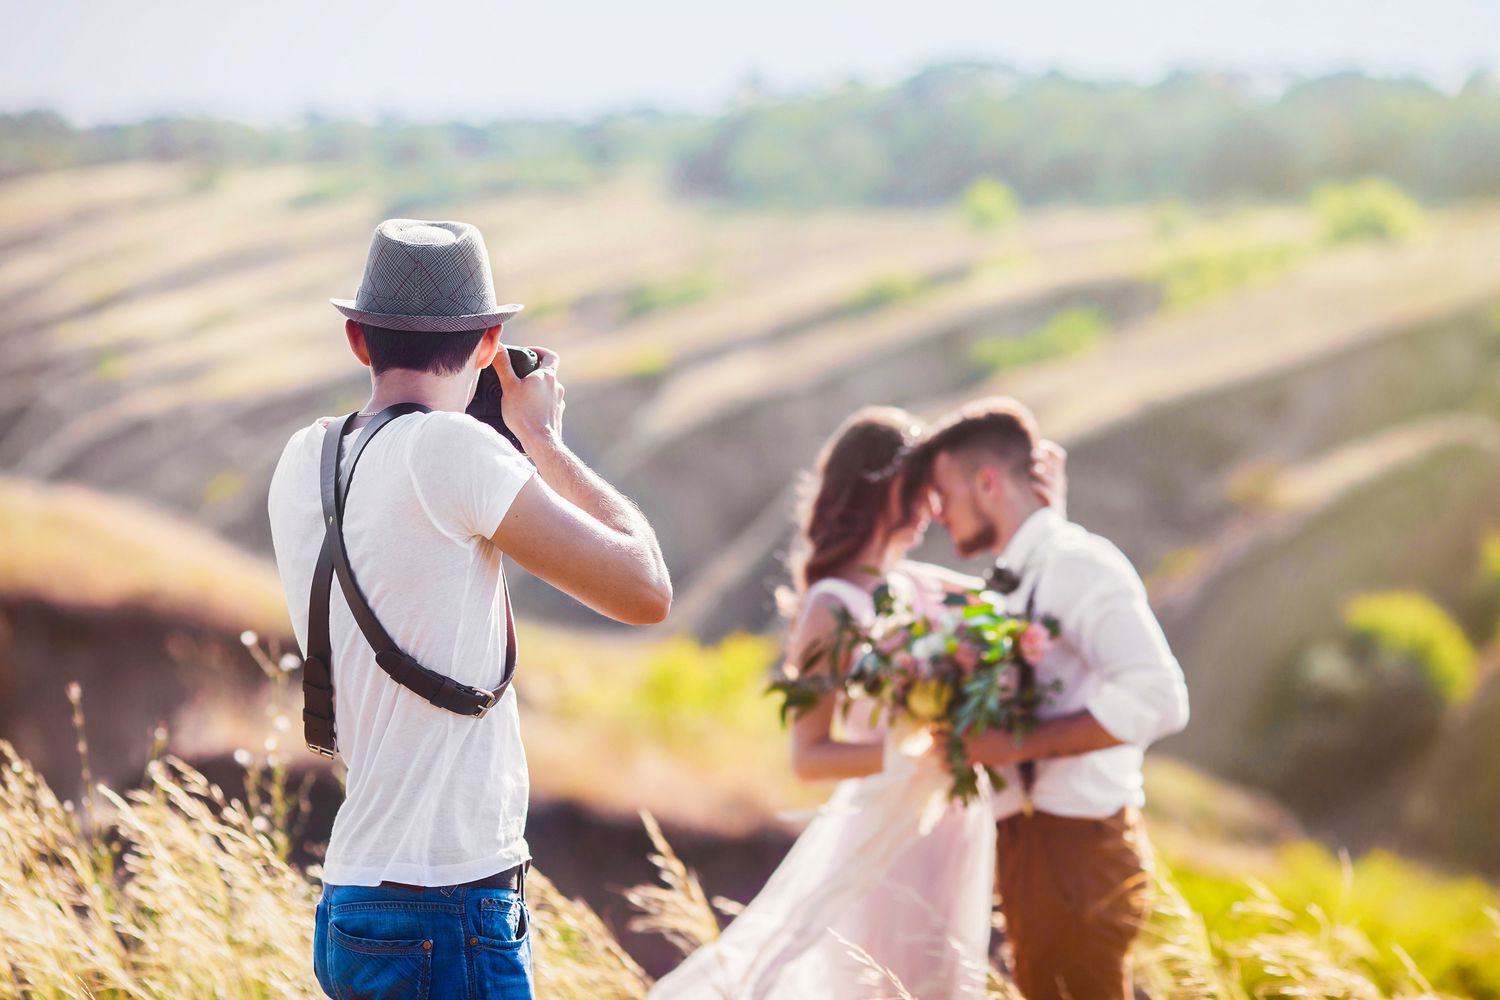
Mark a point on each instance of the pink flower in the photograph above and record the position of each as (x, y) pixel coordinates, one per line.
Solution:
(1035, 642)
(967, 657)
(903, 660)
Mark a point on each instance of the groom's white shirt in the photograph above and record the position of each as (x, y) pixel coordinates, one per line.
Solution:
(1111, 659)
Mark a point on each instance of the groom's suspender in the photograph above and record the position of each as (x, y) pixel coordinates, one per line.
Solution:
(333, 560)
(1026, 687)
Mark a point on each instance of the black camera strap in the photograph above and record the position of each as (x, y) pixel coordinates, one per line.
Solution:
(333, 560)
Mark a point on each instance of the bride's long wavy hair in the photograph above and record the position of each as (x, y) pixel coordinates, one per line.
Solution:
(843, 502)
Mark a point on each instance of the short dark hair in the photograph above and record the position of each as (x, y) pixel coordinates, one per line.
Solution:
(420, 351)
(1000, 427)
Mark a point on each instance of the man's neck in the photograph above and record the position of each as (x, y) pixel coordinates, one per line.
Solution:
(436, 392)
(1015, 514)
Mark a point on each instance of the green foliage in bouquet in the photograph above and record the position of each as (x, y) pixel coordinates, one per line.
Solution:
(959, 672)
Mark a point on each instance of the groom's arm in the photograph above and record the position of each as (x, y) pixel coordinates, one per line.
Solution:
(1140, 696)
(1065, 736)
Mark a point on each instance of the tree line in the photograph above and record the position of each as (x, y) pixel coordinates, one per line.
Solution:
(1198, 137)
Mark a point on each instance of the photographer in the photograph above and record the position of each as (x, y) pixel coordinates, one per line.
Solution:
(394, 582)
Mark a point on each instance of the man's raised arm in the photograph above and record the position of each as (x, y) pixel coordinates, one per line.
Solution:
(567, 525)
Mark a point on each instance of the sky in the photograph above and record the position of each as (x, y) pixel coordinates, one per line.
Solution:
(271, 61)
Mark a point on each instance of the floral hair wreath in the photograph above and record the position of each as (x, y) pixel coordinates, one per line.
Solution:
(910, 438)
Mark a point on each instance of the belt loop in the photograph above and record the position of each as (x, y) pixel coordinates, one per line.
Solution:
(525, 867)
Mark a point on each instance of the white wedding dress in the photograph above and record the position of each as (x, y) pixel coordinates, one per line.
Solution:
(888, 866)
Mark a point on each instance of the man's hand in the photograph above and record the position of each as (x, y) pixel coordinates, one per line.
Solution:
(1049, 474)
(532, 406)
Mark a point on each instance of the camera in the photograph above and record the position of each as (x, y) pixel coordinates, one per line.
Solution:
(485, 406)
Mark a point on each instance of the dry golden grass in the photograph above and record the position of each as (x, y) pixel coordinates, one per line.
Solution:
(185, 897)
(173, 891)
(678, 909)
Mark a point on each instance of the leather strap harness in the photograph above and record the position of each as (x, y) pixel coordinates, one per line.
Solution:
(333, 560)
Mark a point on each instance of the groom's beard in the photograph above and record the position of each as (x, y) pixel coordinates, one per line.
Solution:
(981, 539)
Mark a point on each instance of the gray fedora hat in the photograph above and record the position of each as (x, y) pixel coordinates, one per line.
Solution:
(428, 276)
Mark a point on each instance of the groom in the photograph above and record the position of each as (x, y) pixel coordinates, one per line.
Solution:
(1073, 861)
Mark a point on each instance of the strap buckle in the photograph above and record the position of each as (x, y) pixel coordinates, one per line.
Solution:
(489, 702)
(321, 751)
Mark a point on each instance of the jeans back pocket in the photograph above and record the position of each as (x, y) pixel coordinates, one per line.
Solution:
(379, 970)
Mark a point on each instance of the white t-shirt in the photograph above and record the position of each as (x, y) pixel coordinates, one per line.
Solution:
(433, 798)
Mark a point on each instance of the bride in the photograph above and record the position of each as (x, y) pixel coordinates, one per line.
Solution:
(890, 882)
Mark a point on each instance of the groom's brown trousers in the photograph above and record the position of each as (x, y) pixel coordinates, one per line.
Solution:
(1075, 893)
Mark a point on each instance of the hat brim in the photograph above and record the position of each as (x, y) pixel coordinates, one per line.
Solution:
(428, 324)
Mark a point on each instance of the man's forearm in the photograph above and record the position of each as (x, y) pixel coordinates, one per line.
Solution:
(1066, 736)
(585, 489)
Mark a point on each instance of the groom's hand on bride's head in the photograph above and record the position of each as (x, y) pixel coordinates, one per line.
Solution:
(1049, 475)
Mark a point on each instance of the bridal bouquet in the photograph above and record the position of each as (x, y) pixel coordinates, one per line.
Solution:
(957, 673)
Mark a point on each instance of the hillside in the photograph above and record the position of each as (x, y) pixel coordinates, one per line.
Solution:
(1267, 418)
(146, 612)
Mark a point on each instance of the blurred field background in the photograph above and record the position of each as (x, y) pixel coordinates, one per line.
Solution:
(1264, 320)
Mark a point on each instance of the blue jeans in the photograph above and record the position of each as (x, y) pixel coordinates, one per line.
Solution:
(385, 943)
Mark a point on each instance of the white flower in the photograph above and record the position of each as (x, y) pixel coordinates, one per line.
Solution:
(929, 647)
(242, 757)
(289, 662)
(260, 824)
(248, 638)
(281, 723)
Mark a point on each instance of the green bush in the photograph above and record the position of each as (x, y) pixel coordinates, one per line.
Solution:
(687, 694)
(1070, 331)
(1209, 270)
(887, 291)
(670, 293)
(1412, 627)
(1369, 209)
(989, 204)
(1357, 713)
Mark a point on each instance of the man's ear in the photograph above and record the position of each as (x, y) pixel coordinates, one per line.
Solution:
(489, 346)
(357, 344)
(986, 479)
